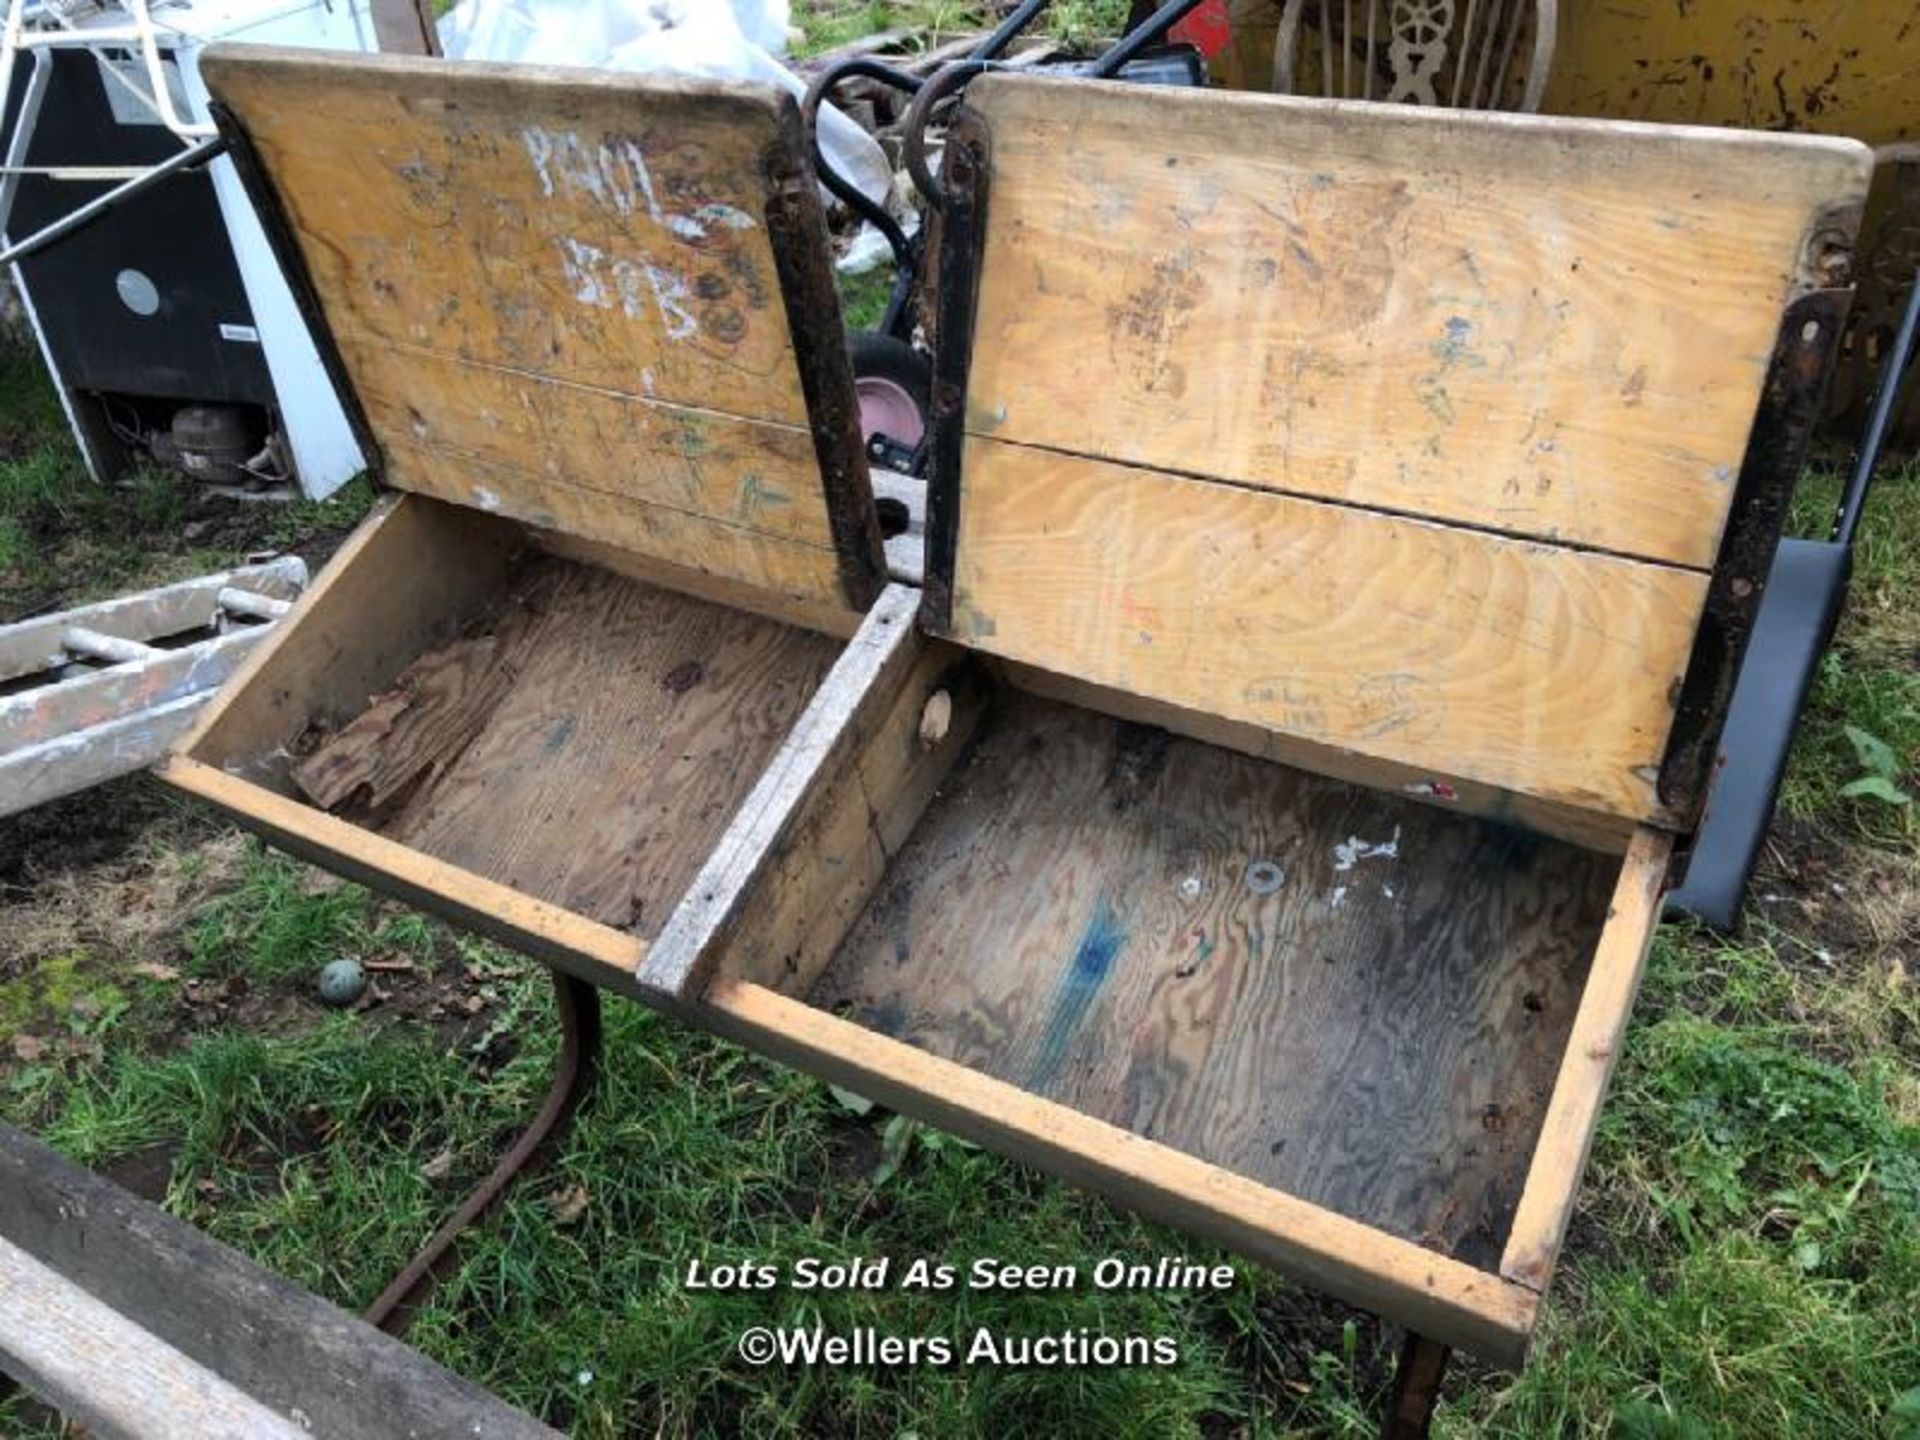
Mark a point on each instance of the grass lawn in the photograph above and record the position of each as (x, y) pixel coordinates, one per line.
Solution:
(1745, 1260)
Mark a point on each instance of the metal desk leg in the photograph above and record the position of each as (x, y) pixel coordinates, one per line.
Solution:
(579, 1007)
(1416, 1388)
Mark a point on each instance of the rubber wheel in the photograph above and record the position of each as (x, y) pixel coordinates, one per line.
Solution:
(894, 385)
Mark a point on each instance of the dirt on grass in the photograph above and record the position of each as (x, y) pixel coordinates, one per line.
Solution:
(99, 892)
(1853, 905)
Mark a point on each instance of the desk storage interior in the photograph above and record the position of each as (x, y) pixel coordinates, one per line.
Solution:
(589, 328)
(1344, 527)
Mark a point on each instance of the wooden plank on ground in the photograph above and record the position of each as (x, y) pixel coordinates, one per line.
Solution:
(98, 1367)
(1546, 327)
(131, 1312)
(1457, 653)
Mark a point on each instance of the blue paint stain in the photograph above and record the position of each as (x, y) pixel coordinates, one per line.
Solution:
(563, 732)
(1451, 349)
(1092, 960)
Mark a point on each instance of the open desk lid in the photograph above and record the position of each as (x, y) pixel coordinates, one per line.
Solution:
(1448, 450)
(597, 303)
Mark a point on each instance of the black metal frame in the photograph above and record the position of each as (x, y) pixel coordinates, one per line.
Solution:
(1792, 403)
(909, 251)
(797, 232)
(963, 227)
(191, 158)
(1806, 591)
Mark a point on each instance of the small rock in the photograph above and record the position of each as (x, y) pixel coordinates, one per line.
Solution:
(28, 1048)
(439, 1167)
(342, 982)
(569, 1204)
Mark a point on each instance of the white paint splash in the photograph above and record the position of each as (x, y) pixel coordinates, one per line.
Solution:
(485, 498)
(1190, 887)
(731, 216)
(613, 281)
(637, 167)
(582, 263)
(562, 161)
(671, 294)
(540, 150)
(616, 175)
(1338, 898)
(1353, 850)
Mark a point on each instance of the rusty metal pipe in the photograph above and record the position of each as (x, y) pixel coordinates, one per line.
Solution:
(579, 1007)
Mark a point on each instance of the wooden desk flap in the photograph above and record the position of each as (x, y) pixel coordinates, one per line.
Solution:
(1412, 434)
(594, 302)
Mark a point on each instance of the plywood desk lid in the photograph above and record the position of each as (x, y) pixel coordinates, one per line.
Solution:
(595, 302)
(1418, 436)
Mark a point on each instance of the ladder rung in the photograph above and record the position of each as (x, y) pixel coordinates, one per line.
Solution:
(104, 35)
(252, 602)
(78, 172)
(96, 645)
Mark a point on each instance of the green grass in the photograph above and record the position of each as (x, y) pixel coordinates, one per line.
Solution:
(863, 298)
(282, 920)
(827, 23)
(1870, 679)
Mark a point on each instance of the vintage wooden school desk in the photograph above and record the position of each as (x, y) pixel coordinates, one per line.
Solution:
(591, 328)
(1346, 523)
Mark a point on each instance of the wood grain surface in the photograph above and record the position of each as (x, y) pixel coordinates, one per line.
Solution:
(280, 1344)
(411, 575)
(1536, 670)
(106, 1372)
(635, 721)
(1593, 1048)
(436, 706)
(578, 278)
(1354, 998)
(1447, 1299)
(1548, 327)
(1410, 435)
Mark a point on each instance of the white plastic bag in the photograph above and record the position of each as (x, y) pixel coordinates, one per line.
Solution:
(735, 41)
